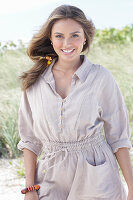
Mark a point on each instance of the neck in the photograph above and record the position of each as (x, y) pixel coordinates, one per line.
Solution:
(68, 66)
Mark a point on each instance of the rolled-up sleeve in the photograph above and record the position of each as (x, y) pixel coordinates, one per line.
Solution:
(114, 114)
(25, 126)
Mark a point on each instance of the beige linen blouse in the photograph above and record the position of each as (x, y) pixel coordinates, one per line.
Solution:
(78, 161)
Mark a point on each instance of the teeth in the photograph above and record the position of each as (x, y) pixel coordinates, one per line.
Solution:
(67, 51)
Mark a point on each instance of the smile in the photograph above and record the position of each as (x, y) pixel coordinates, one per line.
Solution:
(68, 51)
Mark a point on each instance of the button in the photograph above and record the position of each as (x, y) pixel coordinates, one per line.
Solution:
(63, 100)
(44, 171)
(62, 126)
(62, 109)
(62, 117)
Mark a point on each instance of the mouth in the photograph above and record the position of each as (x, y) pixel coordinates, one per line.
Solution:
(65, 51)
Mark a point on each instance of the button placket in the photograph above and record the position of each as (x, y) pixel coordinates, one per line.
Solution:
(62, 113)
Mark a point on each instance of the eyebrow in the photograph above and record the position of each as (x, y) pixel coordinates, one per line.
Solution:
(70, 33)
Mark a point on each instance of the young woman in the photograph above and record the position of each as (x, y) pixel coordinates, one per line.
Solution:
(66, 102)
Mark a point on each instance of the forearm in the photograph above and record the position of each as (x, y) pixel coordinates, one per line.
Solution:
(30, 160)
(124, 161)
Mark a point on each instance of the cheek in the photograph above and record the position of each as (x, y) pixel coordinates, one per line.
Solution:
(78, 43)
(57, 44)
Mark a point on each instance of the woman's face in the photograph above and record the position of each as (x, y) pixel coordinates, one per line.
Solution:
(67, 37)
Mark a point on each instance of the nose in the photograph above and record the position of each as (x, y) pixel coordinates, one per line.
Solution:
(67, 41)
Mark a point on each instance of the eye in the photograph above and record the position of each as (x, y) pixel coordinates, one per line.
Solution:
(75, 35)
(58, 36)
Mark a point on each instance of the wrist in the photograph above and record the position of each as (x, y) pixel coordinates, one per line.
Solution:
(29, 182)
(30, 189)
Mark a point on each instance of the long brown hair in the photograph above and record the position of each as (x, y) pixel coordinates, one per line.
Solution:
(40, 44)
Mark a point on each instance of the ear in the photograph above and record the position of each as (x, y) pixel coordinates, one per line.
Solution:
(50, 39)
(85, 40)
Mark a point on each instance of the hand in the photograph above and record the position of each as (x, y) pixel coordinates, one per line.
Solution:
(31, 196)
(130, 195)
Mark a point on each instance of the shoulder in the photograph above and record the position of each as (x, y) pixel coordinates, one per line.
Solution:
(100, 70)
(103, 74)
(33, 88)
(103, 71)
(32, 91)
(105, 82)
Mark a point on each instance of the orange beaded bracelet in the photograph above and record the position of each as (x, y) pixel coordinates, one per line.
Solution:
(30, 188)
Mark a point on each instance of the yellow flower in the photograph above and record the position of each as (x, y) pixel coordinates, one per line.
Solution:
(48, 58)
(49, 62)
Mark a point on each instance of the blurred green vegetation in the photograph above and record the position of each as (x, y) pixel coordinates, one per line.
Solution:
(19, 166)
(111, 48)
(113, 35)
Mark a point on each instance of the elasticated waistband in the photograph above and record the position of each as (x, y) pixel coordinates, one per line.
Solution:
(52, 148)
(75, 145)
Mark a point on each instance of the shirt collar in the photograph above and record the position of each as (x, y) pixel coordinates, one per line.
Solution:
(81, 72)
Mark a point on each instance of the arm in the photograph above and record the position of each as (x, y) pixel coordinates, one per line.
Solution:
(26, 127)
(114, 114)
(29, 143)
(123, 158)
(30, 160)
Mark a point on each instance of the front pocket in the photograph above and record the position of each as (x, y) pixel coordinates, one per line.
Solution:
(98, 181)
(94, 167)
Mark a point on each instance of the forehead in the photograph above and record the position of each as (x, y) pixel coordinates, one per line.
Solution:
(66, 25)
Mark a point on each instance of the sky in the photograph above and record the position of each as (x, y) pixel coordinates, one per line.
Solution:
(22, 19)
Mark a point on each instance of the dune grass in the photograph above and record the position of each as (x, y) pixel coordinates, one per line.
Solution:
(12, 63)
